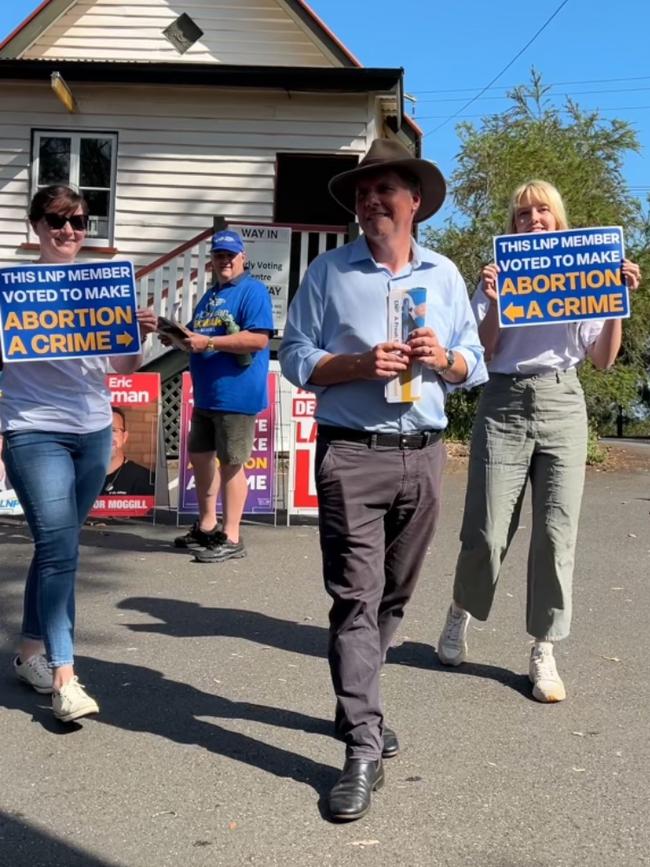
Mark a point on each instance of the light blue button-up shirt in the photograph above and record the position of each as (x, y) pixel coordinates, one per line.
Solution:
(341, 307)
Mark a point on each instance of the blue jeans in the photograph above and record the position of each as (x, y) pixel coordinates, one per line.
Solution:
(56, 477)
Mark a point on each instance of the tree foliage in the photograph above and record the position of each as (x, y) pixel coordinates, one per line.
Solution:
(582, 154)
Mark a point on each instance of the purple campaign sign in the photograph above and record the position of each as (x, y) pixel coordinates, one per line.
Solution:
(260, 469)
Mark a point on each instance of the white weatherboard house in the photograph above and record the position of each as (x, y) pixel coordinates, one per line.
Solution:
(171, 113)
(168, 113)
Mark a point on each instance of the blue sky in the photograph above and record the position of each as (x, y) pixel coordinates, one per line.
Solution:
(595, 51)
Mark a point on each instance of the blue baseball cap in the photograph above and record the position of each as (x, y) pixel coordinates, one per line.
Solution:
(228, 241)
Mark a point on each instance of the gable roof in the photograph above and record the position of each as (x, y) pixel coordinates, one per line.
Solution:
(14, 46)
(50, 11)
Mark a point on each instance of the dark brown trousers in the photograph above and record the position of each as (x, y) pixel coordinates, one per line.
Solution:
(378, 508)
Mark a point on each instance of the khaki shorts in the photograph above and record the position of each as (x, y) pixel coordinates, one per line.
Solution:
(229, 434)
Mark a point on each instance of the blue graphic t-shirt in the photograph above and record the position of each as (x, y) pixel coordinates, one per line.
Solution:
(220, 381)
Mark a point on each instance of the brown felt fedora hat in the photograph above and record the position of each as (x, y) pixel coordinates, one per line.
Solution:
(391, 154)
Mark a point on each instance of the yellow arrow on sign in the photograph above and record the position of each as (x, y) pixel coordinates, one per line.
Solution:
(513, 311)
(124, 339)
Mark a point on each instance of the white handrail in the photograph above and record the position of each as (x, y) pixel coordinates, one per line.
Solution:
(174, 282)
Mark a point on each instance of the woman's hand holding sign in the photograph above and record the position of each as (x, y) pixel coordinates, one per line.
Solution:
(489, 278)
(631, 274)
(147, 321)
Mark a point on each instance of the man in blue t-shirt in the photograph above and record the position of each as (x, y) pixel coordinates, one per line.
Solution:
(229, 365)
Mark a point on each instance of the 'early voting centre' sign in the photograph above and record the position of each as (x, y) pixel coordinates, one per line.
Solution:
(568, 276)
(268, 250)
(50, 312)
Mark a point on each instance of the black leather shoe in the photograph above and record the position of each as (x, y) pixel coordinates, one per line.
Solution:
(350, 796)
(391, 744)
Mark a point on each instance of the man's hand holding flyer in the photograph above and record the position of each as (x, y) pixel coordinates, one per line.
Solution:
(174, 331)
(406, 312)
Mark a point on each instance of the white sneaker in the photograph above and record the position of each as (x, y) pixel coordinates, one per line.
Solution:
(452, 647)
(72, 702)
(34, 671)
(547, 683)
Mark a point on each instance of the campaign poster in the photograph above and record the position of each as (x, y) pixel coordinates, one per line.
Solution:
(259, 469)
(268, 252)
(302, 483)
(9, 504)
(52, 312)
(129, 490)
(567, 276)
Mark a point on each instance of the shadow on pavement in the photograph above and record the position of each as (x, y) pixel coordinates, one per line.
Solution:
(119, 540)
(16, 531)
(27, 846)
(418, 655)
(181, 619)
(136, 698)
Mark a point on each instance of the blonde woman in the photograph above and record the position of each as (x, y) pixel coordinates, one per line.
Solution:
(531, 423)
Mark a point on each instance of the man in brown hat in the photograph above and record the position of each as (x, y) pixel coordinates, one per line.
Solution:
(378, 463)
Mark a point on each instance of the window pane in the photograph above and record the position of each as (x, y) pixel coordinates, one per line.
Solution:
(98, 208)
(53, 161)
(95, 162)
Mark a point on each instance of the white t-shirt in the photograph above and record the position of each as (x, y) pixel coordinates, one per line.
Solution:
(68, 395)
(537, 349)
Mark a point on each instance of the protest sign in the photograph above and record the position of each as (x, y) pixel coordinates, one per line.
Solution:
(268, 252)
(50, 312)
(302, 483)
(9, 504)
(568, 276)
(130, 485)
(259, 469)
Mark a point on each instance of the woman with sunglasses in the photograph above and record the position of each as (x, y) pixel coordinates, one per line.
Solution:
(56, 420)
(531, 423)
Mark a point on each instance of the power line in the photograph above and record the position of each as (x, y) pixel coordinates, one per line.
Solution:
(507, 66)
(550, 84)
(550, 95)
(418, 118)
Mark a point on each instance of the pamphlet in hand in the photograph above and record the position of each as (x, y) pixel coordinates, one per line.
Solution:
(406, 312)
(176, 332)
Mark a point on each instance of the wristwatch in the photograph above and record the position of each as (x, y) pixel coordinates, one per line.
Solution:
(210, 347)
(450, 356)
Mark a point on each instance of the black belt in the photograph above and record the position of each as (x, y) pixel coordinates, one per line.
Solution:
(419, 440)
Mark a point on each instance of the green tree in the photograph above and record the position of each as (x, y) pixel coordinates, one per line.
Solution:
(582, 154)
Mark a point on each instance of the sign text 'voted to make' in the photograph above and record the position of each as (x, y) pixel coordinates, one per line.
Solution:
(567, 276)
(50, 312)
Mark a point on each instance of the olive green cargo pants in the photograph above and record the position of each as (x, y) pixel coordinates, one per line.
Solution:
(533, 428)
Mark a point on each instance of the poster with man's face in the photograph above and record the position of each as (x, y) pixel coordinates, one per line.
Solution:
(9, 504)
(130, 484)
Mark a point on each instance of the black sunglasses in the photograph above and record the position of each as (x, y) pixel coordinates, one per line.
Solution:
(79, 222)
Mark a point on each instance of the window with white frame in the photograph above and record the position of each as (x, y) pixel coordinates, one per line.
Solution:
(85, 160)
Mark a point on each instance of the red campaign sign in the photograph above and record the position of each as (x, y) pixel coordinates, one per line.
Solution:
(129, 487)
(303, 407)
(134, 388)
(303, 493)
